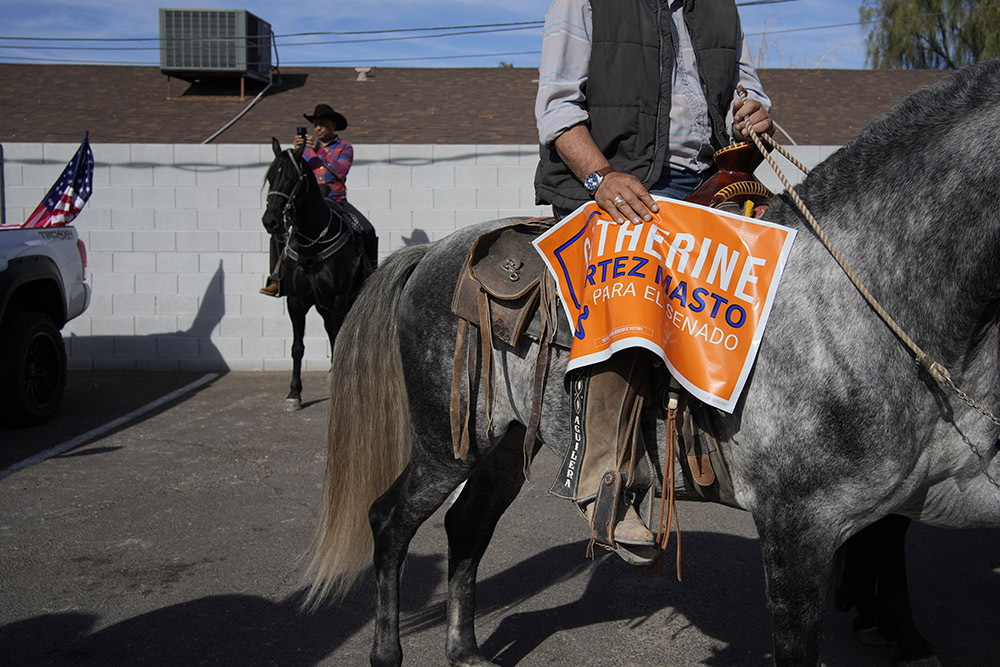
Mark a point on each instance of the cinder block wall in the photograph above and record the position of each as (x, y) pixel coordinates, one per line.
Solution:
(176, 251)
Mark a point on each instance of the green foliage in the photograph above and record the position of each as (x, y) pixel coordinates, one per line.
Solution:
(506, 65)
(930, 34)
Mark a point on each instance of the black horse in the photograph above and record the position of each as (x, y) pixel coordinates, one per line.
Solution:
(328, 250)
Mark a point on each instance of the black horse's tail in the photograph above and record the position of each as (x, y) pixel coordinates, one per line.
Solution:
(367, 448)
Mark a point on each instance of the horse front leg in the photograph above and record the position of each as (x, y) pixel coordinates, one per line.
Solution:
(470, 524)
(798, 558)
(297, 313)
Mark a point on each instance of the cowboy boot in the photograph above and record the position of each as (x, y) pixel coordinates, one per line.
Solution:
(607, 398)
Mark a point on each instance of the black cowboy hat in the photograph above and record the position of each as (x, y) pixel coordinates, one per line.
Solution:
(326, 111)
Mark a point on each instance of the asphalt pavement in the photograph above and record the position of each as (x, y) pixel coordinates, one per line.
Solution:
(162, 519)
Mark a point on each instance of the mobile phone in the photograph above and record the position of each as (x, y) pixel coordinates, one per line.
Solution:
(301, 131)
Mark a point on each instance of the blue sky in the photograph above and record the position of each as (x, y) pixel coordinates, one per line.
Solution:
(793, 33)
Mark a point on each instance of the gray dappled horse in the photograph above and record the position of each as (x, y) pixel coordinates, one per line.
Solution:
(836, 429)
(323, 260)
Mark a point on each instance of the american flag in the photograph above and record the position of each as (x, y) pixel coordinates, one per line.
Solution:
(67, 197)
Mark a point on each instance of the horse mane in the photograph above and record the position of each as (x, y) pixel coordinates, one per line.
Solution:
(911, 204)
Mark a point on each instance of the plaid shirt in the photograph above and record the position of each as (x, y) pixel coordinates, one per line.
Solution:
(330, 164)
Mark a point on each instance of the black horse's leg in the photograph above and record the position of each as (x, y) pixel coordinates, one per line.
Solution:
(470, 524)
(395, 516)
(873, 580)
(797, 564)
(297, 313)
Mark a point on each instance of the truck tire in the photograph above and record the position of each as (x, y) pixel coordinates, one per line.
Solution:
(32, 369)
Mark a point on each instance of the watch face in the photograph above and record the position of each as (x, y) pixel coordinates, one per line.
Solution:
(592, 180)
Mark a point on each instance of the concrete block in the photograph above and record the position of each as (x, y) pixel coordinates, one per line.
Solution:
(120, 364)
(454, 198)
(433, 177)
(498, 198)
(411, 155)
(477, 177)
(437, 219)
(198, 242)
(371, 154)
(389, 176)
(155, 325)
(192, 155)
(357, 178)
(198, 198)
(20, 152)
(152, 155)
(133, 305)
(498, 155)
(155, 198)
(104, 154)
(238, 241)
(111, 198)
(215, 176)
(225, 263)
(128, 219)
(154, 241)
(242, 327)
(131, 176)
(93, 347)
(228, 348)
(516, 177)
(176, 347)
(242, 198)
(156, 365)
(176, 220)
(174, 176)
(452, 155)
(111, 283)
(411, 198)
(172, 304)
(264, 348)
(134, 347)
(199, 284)
(218, 219)
(156, 283)
(239, 155)
(253, 176)
(110, 241)
(177, 262)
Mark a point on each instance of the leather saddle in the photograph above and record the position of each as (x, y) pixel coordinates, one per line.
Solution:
(504, 292)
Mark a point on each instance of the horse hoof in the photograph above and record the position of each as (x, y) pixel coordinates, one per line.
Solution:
(293, 404)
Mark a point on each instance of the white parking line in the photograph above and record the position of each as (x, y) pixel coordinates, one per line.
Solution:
(101, 430)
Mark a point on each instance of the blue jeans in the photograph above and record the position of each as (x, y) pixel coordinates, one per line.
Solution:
(675, 183)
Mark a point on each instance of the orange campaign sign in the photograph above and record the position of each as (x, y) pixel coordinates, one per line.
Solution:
(694, 286)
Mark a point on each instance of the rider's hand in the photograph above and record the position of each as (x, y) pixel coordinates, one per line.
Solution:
(635, 202)
(299, 141)
(755, 111)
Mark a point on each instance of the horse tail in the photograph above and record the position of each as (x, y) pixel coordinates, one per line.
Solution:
(367, 448)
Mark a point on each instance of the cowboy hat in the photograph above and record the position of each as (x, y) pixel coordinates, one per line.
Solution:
(326, 111)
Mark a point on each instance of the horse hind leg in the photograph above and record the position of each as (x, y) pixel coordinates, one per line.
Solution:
(470, 524)
(395, 516)
(872, 578)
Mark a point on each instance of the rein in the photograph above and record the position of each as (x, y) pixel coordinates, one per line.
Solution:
(924, 360)
(289, 217)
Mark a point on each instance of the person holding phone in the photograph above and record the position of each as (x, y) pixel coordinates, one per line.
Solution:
(330, 159)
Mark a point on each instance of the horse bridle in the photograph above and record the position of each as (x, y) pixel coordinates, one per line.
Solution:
(288, 211)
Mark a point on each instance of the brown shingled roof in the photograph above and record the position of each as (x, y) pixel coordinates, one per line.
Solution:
(117, 104)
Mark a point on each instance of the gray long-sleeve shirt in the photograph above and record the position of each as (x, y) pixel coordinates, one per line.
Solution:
(561, 104)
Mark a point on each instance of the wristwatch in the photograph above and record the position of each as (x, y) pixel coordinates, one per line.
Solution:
(592, 181)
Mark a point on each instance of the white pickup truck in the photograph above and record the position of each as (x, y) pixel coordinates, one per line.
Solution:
(42, 274)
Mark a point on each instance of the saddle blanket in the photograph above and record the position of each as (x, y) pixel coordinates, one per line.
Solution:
(695, 286)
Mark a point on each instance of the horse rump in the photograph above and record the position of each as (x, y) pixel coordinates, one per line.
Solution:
(360, 469)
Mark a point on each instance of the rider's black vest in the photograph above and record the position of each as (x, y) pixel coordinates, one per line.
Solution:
(628, 88)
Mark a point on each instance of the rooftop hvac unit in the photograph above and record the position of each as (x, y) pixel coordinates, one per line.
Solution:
(202, 43)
